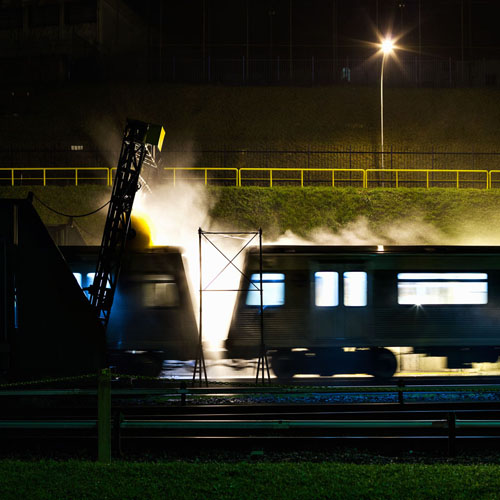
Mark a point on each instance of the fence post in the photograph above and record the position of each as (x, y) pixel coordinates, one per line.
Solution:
(401, 385)
(452, 432)
(76, 177)
(104, 416)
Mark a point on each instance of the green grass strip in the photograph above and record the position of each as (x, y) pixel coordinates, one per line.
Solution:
(242, 480)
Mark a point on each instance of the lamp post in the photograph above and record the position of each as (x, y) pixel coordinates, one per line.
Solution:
(386, 47)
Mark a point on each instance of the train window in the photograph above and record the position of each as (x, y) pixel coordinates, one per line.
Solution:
(355, 290)
(78, 277)
(273, 289)
(326, 287)
(442, 288)
(160, 294)
(90, 279)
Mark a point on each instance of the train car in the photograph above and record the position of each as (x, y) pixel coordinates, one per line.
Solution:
(349, 309)
(152, 317)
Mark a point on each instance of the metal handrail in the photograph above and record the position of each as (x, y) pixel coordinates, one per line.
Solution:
(237, 175)
(456, 180)
(301, 170)
(44, 170)
(205, 170)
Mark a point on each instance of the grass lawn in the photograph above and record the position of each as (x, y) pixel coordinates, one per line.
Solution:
(298, 480)
(322, 215)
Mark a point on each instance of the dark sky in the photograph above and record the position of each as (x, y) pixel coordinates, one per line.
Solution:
(324, 27)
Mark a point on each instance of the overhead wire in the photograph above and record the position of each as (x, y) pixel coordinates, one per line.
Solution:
(74, 216)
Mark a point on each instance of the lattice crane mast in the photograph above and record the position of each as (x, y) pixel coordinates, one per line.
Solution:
(134, 152)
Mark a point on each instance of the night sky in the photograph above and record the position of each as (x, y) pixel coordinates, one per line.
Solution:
(323, 28)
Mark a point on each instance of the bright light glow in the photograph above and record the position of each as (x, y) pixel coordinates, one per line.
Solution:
(187, 207)
(387, 46)
(380, 248)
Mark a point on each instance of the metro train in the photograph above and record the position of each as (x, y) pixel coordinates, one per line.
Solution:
(326, 309)
(152, 317)
(338, 309)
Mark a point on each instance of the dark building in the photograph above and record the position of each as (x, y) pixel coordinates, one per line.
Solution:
(61, 40)
(442, 42)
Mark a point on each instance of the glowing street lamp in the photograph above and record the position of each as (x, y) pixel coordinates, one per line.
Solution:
(387, 47)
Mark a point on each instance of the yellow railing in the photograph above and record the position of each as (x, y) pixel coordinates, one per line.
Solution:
(48, 175)
(303, 176)
(491, 177)
(429, 177)
(228, 175)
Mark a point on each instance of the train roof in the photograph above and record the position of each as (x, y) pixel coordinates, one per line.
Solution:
(377, 249)
(94, 249)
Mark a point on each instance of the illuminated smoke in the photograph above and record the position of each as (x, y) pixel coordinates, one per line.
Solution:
(404, 231)
(174, 215)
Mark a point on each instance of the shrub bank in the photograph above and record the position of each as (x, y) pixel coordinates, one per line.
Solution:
(419, 216)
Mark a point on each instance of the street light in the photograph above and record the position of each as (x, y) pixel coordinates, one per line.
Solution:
(387, 47)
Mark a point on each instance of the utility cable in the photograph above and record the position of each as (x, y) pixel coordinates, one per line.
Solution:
(70, 215)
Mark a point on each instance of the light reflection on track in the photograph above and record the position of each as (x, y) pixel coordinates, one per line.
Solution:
(246, 370)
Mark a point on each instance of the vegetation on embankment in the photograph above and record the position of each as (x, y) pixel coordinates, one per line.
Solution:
(216, 117)
(244, 480)
(325, 215)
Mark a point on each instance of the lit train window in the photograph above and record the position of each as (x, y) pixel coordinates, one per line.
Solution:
(160, 294)
(355, 290)
(273, 290)
(90, 278)
(326, 288)
(442, 288)
(78, 277)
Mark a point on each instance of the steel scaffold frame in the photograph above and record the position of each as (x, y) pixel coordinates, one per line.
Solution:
(263, 364)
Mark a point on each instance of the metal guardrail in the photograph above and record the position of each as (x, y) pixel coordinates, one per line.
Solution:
(108, 425)
(303, 176)
(19, 175)
(268, 177)
(428, 177)
(205, 177)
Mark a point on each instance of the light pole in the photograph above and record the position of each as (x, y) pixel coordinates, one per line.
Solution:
(386, 47)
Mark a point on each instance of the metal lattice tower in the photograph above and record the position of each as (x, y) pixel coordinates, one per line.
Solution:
(137, 136)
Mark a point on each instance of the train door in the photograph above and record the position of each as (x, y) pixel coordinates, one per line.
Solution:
(339, 305)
